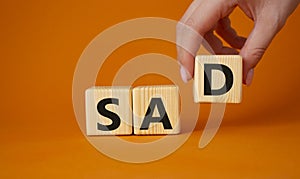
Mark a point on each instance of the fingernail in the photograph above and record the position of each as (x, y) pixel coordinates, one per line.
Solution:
(184, 75)
(249, 77)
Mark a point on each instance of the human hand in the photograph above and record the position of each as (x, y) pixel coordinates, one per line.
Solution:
(207, 16)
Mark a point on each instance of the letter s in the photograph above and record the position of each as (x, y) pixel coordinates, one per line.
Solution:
(104, 112)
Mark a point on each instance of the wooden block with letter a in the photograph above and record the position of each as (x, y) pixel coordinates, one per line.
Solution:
(218, 78)
(108, 111)
(156, 110)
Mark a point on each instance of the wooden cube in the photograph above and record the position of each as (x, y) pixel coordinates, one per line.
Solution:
(156, 110)
(218, 79)
(108, 111)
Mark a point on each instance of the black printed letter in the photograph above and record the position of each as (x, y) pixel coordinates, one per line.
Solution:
(208, 79)
(162, 112)
(104, 112)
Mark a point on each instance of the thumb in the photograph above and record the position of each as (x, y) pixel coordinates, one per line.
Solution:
(258, 41)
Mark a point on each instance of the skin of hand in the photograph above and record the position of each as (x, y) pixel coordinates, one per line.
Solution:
(208, 16)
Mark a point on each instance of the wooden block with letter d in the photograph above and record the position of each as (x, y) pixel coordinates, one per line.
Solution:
(156, 110)
(218, 79)
(108, 111)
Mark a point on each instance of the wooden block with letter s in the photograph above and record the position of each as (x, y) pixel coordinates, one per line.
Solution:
(108, 111)
(156, 110)
(218, 79)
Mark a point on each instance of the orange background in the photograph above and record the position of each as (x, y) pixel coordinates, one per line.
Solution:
(41, 42)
